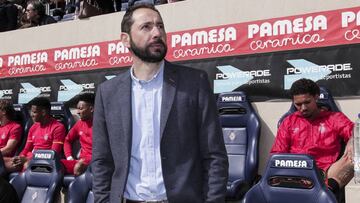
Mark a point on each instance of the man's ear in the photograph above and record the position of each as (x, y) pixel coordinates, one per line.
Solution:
(43, 112)
(316, 97)
(3, 113)
(125, 39)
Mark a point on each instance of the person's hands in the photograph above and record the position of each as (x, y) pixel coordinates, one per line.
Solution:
(18, 161)
(342, 170)
(349, 150)
(69, 158)
(79, 167)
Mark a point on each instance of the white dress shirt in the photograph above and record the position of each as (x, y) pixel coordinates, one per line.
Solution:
(145, 179)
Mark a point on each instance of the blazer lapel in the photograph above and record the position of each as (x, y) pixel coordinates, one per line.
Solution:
(168, 94)
(124, 92)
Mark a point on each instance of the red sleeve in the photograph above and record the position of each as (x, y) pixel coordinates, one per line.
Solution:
(70, 138)
(59, 136)
(15, 132)
(29, 145)
(57, 147)
(282, 139)
(344, 125)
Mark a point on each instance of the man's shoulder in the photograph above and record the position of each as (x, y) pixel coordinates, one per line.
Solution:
(113, 82)
(80, 124)
(292, 116)
(14, 124)
(181, 67)
(184, 70)
(336, 116)
(55, 123)
(291, 119)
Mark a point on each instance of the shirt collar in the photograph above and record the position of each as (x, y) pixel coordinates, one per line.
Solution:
(159, 74)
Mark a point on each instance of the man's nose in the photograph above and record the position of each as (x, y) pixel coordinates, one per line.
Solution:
(303, 107)
(156, 31)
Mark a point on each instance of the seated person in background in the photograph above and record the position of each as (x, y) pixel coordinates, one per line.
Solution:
(10, 133)
(107, 6)
(81, 131)
(36, 15)
(8, 16)
(173, 1)
(133, 2)
(45, 133)
(318, 133)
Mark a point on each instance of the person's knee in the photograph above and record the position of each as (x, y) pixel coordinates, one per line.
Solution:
(79, 168)
(342, 171)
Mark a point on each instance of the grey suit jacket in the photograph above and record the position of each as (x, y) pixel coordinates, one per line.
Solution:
(194, 159)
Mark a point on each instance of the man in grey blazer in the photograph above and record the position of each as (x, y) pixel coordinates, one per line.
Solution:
(156, 133)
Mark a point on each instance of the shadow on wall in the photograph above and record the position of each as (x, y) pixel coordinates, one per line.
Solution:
(266, 141)
(267, 138)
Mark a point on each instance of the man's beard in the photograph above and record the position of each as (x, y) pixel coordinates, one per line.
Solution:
(146, 55)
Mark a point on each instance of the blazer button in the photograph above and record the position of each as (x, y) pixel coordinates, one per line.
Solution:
(163, 158)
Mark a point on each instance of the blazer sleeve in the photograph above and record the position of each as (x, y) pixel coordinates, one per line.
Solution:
(212, 147)
(102, 160)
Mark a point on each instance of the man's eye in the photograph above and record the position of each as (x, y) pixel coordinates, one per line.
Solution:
(146, 27)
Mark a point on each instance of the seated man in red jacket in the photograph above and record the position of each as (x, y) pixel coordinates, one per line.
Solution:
(10, 133)
(318, 133)
(45, 133)
(81, 131)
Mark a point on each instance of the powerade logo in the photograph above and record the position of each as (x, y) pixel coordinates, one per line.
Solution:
(242, 74)
(229, 78)
(85, 86)
(6, 94)
(29, 92)
(319, 68)
(8, 91)
(302, 68)
(42, 89)
(70, 89)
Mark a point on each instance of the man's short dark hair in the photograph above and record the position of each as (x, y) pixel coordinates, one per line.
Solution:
(86, 97)
(127, 20)
(39, 7)
(41, 102)
(8, 108)
(304, 86)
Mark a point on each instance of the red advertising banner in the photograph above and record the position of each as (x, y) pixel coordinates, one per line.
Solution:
(312, 30)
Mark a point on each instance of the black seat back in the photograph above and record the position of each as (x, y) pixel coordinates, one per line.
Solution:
(62, 113)
(290, 178)
(41, 181)
(80, 190)
(22, 116)
(241, 130)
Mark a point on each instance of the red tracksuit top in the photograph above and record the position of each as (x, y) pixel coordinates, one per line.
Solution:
(81, 130)
(10, 131)
(319, 138)
(49, 136)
